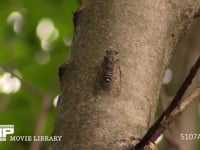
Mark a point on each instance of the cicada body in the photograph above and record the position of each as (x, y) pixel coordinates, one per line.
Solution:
(109, 75)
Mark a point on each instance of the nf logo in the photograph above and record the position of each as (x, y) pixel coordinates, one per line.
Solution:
(5, 130)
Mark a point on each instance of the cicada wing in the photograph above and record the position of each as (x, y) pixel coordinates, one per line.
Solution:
(116, 81)
(98, 80)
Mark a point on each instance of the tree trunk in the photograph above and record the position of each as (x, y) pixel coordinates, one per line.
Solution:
(144, 33)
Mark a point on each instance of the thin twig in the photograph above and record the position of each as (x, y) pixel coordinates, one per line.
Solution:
(41, 122)
(163, 122)
(4, 102)
(185, 103)
(43, 116)
(174, 141)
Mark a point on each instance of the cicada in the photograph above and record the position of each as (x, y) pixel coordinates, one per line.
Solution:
(109, 74)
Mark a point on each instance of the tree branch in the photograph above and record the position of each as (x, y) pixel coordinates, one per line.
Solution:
(175, 108)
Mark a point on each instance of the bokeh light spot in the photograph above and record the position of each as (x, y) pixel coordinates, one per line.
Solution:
(16, 19)
(55, 101)
(47, 33)
(160, 138)
(8, 83)
(168, 76)
(67, 41)
(42, 57)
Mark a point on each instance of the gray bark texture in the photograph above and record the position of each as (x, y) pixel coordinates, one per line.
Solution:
(145, 33)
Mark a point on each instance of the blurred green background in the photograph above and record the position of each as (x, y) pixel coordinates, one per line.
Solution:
(35, 37)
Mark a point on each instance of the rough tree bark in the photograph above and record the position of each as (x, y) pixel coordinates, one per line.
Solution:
(145, 34)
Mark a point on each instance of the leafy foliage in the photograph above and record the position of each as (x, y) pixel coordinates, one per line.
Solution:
(35, 38)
